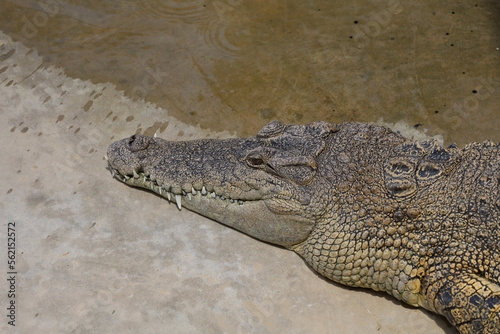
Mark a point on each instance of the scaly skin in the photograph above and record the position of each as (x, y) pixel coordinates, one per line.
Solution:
(364, 206)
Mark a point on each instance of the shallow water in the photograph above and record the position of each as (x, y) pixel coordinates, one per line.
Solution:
(235, 65)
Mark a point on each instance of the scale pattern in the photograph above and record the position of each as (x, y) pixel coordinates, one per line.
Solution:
(420, 224)
(363, 205)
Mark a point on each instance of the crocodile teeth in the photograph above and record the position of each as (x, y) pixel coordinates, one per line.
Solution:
(178, 201)
(106, 157)
(154, 135)
(163, 191)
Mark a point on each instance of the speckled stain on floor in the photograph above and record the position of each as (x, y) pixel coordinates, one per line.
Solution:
(94, 255)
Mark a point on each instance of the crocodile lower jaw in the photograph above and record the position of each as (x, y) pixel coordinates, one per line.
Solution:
(144, 181)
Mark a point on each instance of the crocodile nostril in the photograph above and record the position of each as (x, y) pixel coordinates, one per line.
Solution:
(138, 143)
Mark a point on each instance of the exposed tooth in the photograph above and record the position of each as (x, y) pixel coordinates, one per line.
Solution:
(183, 193)
(160, 189)
(231, 200)
(213, 194)
(106, 157)
(223, 198)
(193, 191)
(204, 191)
(168, 195)
(189, 195)
(113, 172)
(240, 202)
(126, 177)
(178, 201)
(154, 135)
(136, 176)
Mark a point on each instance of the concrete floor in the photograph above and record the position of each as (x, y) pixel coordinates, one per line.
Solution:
(96, 256)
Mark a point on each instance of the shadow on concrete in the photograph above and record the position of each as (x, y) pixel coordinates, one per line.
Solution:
(440, 320)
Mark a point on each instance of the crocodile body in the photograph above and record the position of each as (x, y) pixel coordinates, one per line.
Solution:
(363, 205)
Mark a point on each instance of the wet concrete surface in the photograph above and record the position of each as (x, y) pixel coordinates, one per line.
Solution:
(94, 255)
(235, 65)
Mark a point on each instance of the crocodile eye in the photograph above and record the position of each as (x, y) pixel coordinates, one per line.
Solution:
(255, 161)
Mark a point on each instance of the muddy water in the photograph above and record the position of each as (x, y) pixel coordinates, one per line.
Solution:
(235, 65)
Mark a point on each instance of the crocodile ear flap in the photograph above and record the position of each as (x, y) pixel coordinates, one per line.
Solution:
(299, 169)
(271, 129)
(296, 168)
(322, 129)
(289, 151)
(316, 130)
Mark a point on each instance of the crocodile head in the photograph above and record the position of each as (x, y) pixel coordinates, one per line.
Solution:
(263, 186)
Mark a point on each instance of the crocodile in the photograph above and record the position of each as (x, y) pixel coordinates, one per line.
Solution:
(362, 205)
